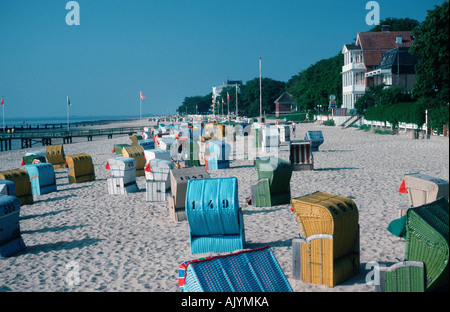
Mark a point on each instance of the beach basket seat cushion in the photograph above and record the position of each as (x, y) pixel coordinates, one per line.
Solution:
(11, 241)
(255, 270)
(81, 168)
(427, 233)
(22, 183)
(215, 220)
(42, 178)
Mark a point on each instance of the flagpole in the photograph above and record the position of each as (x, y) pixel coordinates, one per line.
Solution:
(228, 104)
(260, 93)
(68, 124)
(140, 108)
(3, 108)
(236, 102)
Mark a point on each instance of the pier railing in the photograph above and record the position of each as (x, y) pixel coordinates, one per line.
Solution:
(28, 138)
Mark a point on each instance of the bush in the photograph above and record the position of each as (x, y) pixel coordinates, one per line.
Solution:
(329, 122)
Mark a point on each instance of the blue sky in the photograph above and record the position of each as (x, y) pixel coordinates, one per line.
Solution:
(168, 49)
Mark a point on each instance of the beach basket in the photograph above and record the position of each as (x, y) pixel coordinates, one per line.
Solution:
(277, 173)
(221, 148)
(42, 178)
(329, 240)
(33, 157)
(427, 234)
(270, 140)
(166, 143)
(178, 183)
(135, 139)
(118, 148)
(316, 138)
(285, 133)
(300, 155)
(406, 276)
(123, 172)
(147, 144)
(55, 156)
(138, 153)
(423, 189)
(202, 152)
(215, 220)
(213, 163)
(11, 241)
(7, 187)
(159, 170)
(81, 168)
(255, 270)
(22, 183)
(190, 153)
(157, 154)
(155, 191)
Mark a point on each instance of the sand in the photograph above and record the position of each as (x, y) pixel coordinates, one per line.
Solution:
(81, 239)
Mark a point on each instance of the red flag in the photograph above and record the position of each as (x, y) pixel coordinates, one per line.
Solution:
(402, 188)
(228, 96)
(107, 166)
(142, 96)
(147, 168)
(23, 162)
(114, 149)
(2, 102)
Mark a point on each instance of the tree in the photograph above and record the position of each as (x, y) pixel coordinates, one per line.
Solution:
(249, 99)
(396, 24)
(196, 104)
(432, 46)
(314, 85)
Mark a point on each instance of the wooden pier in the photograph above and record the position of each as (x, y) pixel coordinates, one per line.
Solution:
(45, 137)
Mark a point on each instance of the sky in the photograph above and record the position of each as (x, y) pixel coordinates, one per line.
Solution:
(167, 49)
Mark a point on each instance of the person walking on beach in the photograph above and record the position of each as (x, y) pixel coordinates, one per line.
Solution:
(293, 129)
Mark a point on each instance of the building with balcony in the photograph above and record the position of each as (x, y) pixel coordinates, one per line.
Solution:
(362, 62)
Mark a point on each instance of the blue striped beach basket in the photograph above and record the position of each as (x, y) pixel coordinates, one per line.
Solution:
(255, 270)
(11, 241)
(316, 138)
(42, 178)
(215, 220)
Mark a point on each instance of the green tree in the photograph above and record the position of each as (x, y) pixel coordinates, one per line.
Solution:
(196, 104)
(249, 98)
(314, 85)
(432, 46)
(397, 24)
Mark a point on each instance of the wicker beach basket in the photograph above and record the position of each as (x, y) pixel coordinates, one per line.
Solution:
(427, 229)
(81, 168)
(55, 156)
(136, 152)
(23, 185)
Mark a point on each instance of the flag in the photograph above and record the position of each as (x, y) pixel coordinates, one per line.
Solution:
(228, 96)
(223, 102)
(238, 89)
(142, 96)
(68, 102)
(215, 92)
(402, 188)
(2, 102)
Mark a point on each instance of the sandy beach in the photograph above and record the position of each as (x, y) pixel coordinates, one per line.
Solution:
(125, 244)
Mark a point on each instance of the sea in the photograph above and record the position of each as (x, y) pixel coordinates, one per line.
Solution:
(34, 121)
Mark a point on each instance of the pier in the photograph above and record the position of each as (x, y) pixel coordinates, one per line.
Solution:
(45, 137)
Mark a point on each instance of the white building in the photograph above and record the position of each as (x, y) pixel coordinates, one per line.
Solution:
(364, 57)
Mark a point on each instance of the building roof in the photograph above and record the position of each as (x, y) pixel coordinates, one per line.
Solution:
(285, 98)
(407, 61)
(374, 44)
